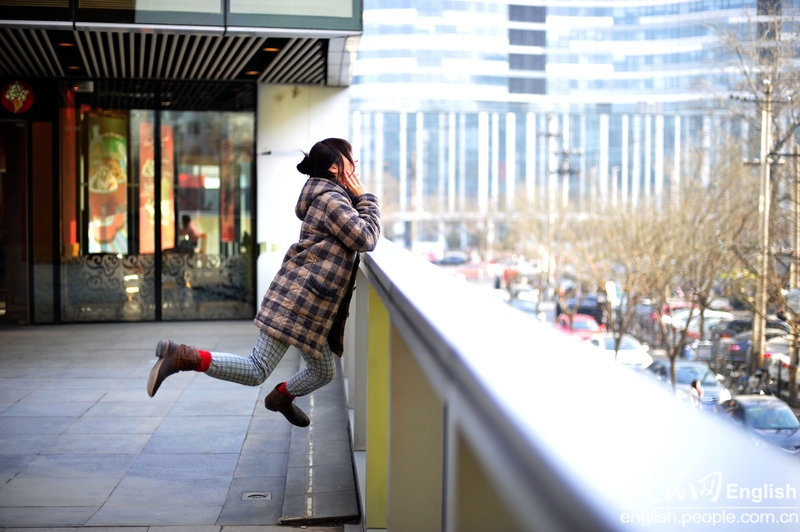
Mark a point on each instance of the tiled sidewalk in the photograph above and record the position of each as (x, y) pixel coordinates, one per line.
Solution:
(81, 443)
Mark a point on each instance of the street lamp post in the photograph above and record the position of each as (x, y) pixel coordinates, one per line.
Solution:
(764, 200)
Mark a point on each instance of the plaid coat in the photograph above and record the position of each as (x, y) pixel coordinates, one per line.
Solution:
(307, 303)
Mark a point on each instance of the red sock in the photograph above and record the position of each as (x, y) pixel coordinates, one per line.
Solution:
(282, 389)
(205, 361)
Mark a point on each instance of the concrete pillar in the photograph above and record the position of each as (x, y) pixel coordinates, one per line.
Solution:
(290, 119)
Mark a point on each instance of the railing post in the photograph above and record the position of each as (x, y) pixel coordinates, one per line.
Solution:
(358, 360)
(416, 439)
(476, 504)
(377, 413)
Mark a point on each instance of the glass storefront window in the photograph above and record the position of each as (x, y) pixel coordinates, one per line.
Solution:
(208, 273)
(139, 180)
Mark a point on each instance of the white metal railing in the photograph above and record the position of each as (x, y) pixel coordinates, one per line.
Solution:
(470, 415)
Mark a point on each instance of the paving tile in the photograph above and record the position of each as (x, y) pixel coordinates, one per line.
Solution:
(182, 442)
(244, 511)
(265, 443)
(153, 515)
(98, 444)
(262, 465)
(156, 407)
(38, 425)
(219, 407)
(179, 492)
(11, 443)
(30, 491)
(76, 395)
(45, 516)
(115, 425)
(183, 466)
(66, 466)
(96, 383)
(213, 423)
(274, 425)
(11, 464)
(48, 409)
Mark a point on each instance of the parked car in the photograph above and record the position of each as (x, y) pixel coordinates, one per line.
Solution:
(768, 417)
(710, 319)
(685, 372)
(631, 352)
(591, 305)
(583, 326)
(777, 359)
(722, 333)
(736, 350)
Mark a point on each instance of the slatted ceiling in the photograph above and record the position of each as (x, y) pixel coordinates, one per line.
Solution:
(41, 58)
(308, 57)
(300, 50)
(18, 52)
(311, 74)
(279, 59)
(130, 54)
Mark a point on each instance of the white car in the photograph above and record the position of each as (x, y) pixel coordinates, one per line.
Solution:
(631, 352)
(777, 359)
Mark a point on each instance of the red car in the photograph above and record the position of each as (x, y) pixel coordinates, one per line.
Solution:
(583, 325)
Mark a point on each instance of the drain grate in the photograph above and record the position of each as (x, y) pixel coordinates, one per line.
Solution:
(257, 496)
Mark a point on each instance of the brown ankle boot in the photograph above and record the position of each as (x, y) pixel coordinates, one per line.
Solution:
(172, 358)
(278, 402)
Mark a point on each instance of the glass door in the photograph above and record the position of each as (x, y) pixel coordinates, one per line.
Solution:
(208, 274)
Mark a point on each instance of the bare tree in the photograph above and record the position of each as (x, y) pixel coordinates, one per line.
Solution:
(763, 52)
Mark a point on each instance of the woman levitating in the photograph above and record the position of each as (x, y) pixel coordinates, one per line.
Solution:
(307, 303)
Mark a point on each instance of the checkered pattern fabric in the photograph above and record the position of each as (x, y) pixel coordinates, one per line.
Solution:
(251, 370)
(317, 373)
(301, 305)
(267, 353)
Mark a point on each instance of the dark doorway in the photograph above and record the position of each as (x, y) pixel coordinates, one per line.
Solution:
(13, 224)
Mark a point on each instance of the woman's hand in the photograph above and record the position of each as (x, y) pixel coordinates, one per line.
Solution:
(352, 183)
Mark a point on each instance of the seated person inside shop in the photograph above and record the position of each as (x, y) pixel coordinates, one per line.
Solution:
(190, 236)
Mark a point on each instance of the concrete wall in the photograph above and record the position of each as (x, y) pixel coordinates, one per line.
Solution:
(291, 118)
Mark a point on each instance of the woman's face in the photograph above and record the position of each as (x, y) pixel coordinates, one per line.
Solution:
(349, 167)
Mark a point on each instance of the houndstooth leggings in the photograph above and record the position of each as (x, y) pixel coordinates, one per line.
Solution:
(268, 351)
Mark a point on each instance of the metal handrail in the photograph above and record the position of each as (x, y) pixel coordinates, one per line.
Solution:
(572, 442)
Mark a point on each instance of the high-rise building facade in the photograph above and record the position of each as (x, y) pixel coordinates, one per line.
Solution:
(462, 109)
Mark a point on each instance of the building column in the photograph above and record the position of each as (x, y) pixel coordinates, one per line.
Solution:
(441, 158)
(706, 169)
(403, 188)
(637, 158)
(378, 157)
(495, 162)
(291, 118)
(676, 162)
(583, 194)
(648, 158)
(530, 157)
(659, 167)
(451, 163)
(511, 160)
(604, 140)
(483, 163)
(625, 158)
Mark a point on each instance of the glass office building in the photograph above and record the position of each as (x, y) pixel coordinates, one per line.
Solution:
(464, 109)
